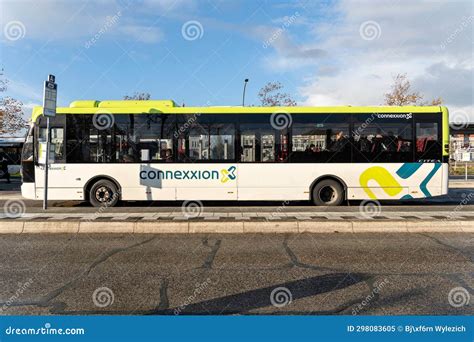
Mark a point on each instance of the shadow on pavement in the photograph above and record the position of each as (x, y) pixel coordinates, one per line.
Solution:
(264, 297)
(240, 303)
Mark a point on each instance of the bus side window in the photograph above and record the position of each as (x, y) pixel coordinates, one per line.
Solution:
(198, 142)
(320, 138)
(267, 148)
(155, 139)
(248, 146)
(428, 146)
(209, 137)
(283, 146)
(257, 142)
(181, 147)
(57, 140)
(382, 138)
(222, 141)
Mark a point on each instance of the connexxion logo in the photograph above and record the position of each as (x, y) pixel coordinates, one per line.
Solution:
(224, 175)
(228, 174)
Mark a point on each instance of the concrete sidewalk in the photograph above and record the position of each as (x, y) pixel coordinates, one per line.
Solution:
(461, 184)
(10, 195)
(267, 214)
(160, 227)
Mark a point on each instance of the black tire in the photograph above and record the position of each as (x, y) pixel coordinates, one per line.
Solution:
(328, 192)
(104, 193)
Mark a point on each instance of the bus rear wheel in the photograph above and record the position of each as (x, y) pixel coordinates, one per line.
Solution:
(328, 192)
(103, 193)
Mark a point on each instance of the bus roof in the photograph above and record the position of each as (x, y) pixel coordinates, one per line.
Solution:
(169, 106)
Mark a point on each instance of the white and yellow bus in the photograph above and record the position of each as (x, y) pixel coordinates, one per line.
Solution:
(106, 151)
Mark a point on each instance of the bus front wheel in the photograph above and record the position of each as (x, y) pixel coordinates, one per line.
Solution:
(328, 192)
(103, 193)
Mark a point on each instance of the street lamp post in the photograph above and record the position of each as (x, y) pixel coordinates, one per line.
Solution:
(243, 95)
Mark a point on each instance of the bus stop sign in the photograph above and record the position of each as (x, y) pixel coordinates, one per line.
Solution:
(50, 96)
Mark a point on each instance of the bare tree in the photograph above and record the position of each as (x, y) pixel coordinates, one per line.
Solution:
(138, 96)
(271, 96)
(401, 94)
(436, 102)
(11, 111)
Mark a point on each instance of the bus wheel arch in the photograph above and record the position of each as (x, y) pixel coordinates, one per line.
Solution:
(328, 190)
(105, 183)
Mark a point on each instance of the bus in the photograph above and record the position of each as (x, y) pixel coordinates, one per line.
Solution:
(110, 151)
(10, 150)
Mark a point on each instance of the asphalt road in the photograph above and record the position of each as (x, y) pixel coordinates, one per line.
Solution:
(388, 274)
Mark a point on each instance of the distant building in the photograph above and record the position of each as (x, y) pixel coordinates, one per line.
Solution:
(302, 142)
(462, 143)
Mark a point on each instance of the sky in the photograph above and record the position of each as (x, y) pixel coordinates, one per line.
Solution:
(199, 52)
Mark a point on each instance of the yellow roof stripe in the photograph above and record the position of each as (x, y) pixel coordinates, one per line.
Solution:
(168, 107)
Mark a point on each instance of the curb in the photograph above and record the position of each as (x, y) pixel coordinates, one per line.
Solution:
(238, 227)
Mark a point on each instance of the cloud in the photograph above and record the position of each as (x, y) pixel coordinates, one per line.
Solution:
(27, 109)
(454, 83)
(23, 90)
(67, 21)
(285, 53)
(409, 37)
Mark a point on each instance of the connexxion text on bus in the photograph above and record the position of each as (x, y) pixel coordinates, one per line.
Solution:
(108, 151)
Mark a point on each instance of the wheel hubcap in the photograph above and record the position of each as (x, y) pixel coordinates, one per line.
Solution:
(103, 194)
(327, 194)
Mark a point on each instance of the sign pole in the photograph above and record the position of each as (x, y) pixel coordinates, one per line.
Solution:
(45, 199)
(49, 110)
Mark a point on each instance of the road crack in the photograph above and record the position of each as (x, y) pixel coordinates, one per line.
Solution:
(296, 263)
(58, 307)
(212, 254)
(451, 247)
